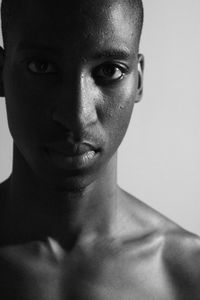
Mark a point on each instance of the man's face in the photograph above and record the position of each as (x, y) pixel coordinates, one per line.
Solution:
(70, 81)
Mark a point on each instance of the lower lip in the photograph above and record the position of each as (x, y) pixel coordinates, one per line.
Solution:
(73, 162)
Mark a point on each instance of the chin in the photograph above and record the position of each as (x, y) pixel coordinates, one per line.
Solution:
(74, 184)
(57, 176)
(67, 182)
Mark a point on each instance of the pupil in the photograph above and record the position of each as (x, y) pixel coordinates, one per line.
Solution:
(42, 66)
(109, 70)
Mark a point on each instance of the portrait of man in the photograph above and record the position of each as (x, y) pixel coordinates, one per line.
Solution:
(71, 73)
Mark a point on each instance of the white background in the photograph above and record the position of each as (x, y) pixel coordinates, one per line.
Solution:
(159, 160)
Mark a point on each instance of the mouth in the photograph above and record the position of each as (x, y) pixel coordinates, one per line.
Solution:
(77, 156)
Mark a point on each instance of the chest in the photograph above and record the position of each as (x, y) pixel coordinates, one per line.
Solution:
(44, 279)
(28, 277)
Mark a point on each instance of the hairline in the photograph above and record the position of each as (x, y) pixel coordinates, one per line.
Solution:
(7, 13)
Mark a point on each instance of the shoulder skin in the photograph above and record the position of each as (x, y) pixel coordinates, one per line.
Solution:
(179, 249)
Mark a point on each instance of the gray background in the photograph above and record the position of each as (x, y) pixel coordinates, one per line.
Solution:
(159, 160)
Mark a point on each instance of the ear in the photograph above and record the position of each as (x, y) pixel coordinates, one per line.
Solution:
(140, 77)
(2, 55)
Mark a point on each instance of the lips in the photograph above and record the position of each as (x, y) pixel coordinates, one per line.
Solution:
(72, 156)
(71, 149)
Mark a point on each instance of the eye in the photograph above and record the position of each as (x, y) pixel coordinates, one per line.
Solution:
(109, 72)
(41, 67)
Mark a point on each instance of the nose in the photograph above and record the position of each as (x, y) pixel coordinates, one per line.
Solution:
(76, 108)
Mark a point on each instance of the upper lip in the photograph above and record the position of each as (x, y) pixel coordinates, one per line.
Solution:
(71, 149)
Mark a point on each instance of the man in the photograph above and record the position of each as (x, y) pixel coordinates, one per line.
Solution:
(71, 74)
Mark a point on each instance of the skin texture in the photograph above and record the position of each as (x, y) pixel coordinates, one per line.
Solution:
(72, 103)
(67, 230)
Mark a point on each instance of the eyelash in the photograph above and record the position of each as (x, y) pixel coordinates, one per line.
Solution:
(102, 79)
(97, 73)
(41, 62)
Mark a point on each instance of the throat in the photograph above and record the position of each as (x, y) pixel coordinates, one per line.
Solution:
(69, 219)
(84, 220)
(36, 211)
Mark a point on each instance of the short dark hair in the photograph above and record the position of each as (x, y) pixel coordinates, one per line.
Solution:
(139, 9)
(8, 6)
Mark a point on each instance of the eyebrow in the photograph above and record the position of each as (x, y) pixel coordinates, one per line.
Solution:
(112, 53)
(34, 47)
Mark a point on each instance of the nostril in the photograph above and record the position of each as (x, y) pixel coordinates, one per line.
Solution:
(59, 119)
(74, 117)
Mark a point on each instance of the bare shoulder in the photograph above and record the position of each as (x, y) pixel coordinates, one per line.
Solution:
(3, 192)
(181, 257)
(4, 187)
(178, 249)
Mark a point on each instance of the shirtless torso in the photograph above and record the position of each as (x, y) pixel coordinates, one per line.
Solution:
(152, 258)
(71, 73)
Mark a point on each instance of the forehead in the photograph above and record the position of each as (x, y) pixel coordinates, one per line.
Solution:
(78, 25)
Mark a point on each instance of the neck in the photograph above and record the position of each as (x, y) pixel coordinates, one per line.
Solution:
(37, 210)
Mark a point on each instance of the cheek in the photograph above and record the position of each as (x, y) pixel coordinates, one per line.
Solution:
(119, 112)
(23, 115)
(26, 107)
(122, 119)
